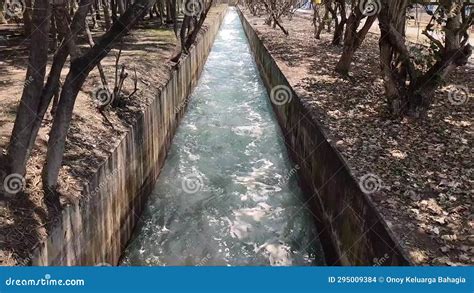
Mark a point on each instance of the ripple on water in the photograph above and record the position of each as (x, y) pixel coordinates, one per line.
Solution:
(244, 208)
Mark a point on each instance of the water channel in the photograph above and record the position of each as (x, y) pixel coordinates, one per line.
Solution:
(228, 193)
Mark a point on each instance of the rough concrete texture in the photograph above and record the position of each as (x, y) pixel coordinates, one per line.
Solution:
(352, 230)
(96, 229)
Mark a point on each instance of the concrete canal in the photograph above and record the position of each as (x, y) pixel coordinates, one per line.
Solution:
(228, 193)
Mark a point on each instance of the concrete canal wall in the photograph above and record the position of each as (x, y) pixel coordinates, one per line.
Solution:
(352, 229)
(96, 229)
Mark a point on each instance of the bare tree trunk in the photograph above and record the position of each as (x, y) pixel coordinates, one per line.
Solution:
(67, 47)
(338, 33)
(192, 38)
(185, 26)
(340, 24)
(322, 21)
(394, 80)
(113, 6)
(93, 15)
(353, 38)
(90, 40)
(2, 12)
(121, 6)
(316, 20)
(174, 15)
(80, 69)
(409, 91)
(53, 44)
(161, 9)
(18, 148)
(54, 106)
(28, 17)
(168, 11)
(71, 6)
(188, 36)
(97, 8)
(274, 17)
(108, 21)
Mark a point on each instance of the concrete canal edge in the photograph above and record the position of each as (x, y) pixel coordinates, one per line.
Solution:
(352, 230)
(95, 230)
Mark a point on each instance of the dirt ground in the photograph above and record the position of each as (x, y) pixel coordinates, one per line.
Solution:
(24, 221)
(425, 167)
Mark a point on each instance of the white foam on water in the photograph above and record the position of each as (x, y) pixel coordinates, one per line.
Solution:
(242, 212)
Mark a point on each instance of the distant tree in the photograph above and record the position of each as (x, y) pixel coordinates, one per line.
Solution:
(254, 6)
(276, 9)
(321, 17)
(28, 17)
(2, 12)
(195, 12)
(338, 13)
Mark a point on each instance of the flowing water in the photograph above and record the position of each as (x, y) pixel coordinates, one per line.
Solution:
(228, 193)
